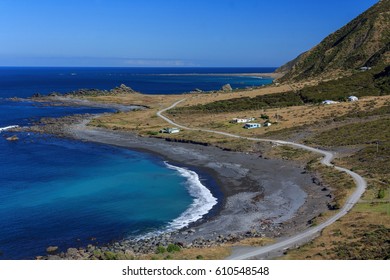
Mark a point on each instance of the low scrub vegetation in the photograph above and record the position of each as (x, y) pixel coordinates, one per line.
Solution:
(244, 104)
(374, 82)
(373, 138)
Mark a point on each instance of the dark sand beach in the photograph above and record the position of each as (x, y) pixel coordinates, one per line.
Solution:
(261, 197)
(273, 197)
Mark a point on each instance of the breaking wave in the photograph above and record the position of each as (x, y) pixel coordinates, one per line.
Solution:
(203, 202)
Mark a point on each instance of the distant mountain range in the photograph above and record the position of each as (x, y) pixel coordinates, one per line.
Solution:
(363, 42)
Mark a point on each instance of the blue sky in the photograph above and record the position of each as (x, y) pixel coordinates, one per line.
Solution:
(170, 33)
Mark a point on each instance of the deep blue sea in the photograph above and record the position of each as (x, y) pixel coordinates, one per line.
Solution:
(60, 192)
(23, 82)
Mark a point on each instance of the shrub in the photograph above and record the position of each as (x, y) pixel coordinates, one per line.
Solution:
(153, 133)
(160, 250)
(110, 255)
(173, 248)
(381, 193)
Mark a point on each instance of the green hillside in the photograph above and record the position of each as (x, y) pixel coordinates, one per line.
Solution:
(365, 41)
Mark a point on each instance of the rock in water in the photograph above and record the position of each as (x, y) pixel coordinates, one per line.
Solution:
(12, 138)
(51, 250)
(227, 87)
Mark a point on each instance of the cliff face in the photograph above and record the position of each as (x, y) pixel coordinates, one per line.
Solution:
(365, 41)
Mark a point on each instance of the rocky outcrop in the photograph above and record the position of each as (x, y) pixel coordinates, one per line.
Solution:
(227, 88)
(51, 250)
(122, 89)
(12, 138)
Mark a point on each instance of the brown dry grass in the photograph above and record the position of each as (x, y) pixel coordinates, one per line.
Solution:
(288, 117)
(212, 253)
(343, 234)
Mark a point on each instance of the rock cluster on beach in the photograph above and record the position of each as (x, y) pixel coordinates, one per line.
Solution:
(128, 249)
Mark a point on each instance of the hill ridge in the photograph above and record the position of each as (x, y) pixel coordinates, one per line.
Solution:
(364, 41)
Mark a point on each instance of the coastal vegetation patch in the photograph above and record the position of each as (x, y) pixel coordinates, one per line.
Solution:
(243, 104)
(375, 82)
(359, 236)
(372, 139)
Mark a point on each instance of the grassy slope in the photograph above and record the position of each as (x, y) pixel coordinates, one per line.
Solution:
(364, 41)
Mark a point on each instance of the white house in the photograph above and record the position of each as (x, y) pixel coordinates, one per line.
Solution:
(329, 102)
(252, 125)
(170, 130)
(352, 98)
(237, 120)
(365, 68)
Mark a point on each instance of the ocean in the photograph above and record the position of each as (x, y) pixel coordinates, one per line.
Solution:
(25, 81)
(67, 193)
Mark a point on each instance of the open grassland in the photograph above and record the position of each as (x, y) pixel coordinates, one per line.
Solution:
(359, 131)
(365, 232)
(294, 117)
(359, 235)
(371, 140)
(278, 111)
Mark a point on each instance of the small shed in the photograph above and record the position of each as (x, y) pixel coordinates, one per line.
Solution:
(170, 130)
(252, 125)
(352, 98)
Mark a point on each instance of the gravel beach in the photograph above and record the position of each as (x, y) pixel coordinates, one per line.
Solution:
(260, 197)
(273, 197)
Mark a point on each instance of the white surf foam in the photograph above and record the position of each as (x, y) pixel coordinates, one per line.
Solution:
(5, 128)
(203, 202)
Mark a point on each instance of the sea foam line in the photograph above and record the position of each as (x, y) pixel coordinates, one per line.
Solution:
(8, 127)
(203, 202)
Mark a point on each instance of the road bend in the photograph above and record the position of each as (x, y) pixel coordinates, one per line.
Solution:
(277, 248)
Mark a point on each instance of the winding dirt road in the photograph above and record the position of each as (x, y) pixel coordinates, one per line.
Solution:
(240, 253)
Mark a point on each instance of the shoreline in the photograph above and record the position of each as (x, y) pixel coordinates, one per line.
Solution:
(256, 202)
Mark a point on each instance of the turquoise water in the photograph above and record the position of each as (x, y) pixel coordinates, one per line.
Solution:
(67, 193)
(58, 192)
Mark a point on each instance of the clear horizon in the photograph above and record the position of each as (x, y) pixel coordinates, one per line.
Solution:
(171, 33)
